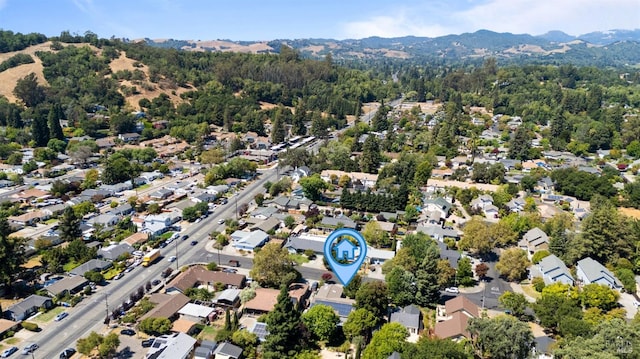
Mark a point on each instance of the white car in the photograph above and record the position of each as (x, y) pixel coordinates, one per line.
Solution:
(454, 290)
(172, 259)
(61, 316)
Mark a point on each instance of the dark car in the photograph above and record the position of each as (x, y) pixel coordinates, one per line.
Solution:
(67, 353)
(193, 243)
(129, 332)
(147, 342)
(155, 282)
(185, 237)
(234, 263)
(163, 244)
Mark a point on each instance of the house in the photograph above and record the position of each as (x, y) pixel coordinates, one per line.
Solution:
(260, 330)
(122, 210)
(438, 232)
(491, 211)
(516, 205)
(218, 190)
(185, 326)
(379, 256)
(27, 307)
(438, 204)
(166, 305)
(554, 270)
(105, 143)
(228, 298)
(198, 275)
(303, 242)
(545, 184)
(300, 172)
(115, 250)
(67, 285)
(331, 295)
(137, 238)
(205, 350)
(534, 240)
(365, 180)
(172, 346)
(227, 351)
(129, 137)
(204, 198)
(95, 265)
(509, 164)
(161, 194)
(267, 225)
(151, 176)
(266, 298)
(8, 326)
(458, 311)
(29, 218)
(331, 223)
(196, 312)
(249, 241)
(106, 220)
(482, 201)
(589, 271)
(410, 317)
(264, 212)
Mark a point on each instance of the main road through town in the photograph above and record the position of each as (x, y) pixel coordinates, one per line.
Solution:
(89, 314)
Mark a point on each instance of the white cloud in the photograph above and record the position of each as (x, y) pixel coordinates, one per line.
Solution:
(85, 6)
(516, 16)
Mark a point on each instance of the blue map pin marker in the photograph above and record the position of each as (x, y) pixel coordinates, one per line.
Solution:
(345, 250)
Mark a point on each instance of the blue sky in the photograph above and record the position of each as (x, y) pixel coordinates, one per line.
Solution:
(280, 19)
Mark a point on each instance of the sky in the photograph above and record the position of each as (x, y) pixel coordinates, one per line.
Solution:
(259, 20)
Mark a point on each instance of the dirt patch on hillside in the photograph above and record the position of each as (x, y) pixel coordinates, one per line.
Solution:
(630, 212)
(220, 45)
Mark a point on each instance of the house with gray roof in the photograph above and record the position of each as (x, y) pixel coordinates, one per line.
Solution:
(227, 351)
(177, 345)
(205, 350)
(553, 270)
(27, 307)
(67, 285)
(107, 220)
(97, 265)
(438, 204)
(302, 244)
(334, 222)
(271, 223)
(590, 271)
(264, 212)
(162, 193)
(249, 241)
(122, 210)
(115, 250)
(438, 232)
(534, 240)
(410, 317)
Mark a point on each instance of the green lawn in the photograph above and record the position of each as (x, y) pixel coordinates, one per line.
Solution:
(208, 333)
(12, 341)
(51, 221)
(144, 186)
(69, 266)
(111, 273)
(46, 317)
(166, 235)
(299, 258)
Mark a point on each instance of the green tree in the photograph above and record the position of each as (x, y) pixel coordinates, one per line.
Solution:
(373, 296)
(465, 272)
(94, 276)
(436, 348)
(427, 287)
(375, 236)
(87, 345)
(40, 131)
(69, 225)
(515, 302)
(155, 326)
(272, 267)
(477, 237)
(285, 339)
(91, 177)
(371, 158)
(278, 129)
(360, 322)
(109, 345)
(520, 145)
(55, 115)
(322, 321)
(12, 254)
(313, 186)
(633, 149)
(247, 341)
(502, 337)
(423, 173)
(289, 221)
(259, 198)
(400, 284)
(390, 338)
(513, 264)
(539, 255)
(28, 90)
(612, 339)
(351, 289)
(599, 296)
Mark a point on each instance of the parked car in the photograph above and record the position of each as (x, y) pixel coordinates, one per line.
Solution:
(129, 269)
(118, 276)
(221, 221)
(67, 353)
(234, 263)
(155, 282)
(61, 316)
(453, 290)
(172, 259)
(199, 220)
(7, 352)
(193, 243)
(129, 332)
(229, 270)
(185, 237)
(167, 272)
(147, 342)
(29, 348)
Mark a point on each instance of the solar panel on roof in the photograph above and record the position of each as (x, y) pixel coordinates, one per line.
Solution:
(343, 309)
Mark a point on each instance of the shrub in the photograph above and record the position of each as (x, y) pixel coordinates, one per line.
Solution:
(32, 327)
(538, 284)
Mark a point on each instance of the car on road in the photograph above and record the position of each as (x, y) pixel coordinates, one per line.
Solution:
(129, 332)
(185, 237)
(163, 244)
(453, 290)
(172, 259)
(118, 276)
(199, 220)
(7, 352)
(61, 316)
(229, 270)
(29, 348)
(129, 269)
(636, 303)
(67, 353)
(234, 263)
(147, 342)
(193, 243)
(221, 221)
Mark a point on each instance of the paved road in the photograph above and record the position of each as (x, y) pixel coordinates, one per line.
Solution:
(89, 315)
(494, 286)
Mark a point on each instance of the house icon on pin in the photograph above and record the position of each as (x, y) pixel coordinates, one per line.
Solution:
(345, 250)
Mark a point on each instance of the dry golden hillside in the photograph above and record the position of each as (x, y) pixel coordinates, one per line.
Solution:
(10, 77)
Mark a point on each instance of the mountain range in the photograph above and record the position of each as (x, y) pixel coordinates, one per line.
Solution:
(608, 48)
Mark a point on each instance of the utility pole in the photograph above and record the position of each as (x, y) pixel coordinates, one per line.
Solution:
(177, 240)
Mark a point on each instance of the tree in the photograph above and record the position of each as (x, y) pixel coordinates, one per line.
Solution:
(612, 339)
(109, 345)
(259, 198)
(87, 345)
(370, 159)
(520, 145)
(12, 254)
(514, 302)
(278, 129)
(155, 326)
(106, 345)
(423, 173)
(476, 236)
(375, 236)
(39, 131)
(289, 221)
(285, 339)
(69, 225)
(322, 321)
(55, 115)
(272, 267)
(94, 276)
(313, 186)
(556, 304)
(400, 284)
(513, 264)
(539, 255)
(465, 272)
(599, 296)
(435, 348)
(351, 289)
(247, 341)
(502, 337)
(117, 169)
(360, 322)
(390, 338)
(28, 90)
(90, 178)
(373, 296)
(481, 270)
